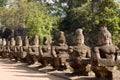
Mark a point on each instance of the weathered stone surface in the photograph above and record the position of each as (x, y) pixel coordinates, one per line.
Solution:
(80, 54)
(115, 74)
(12, 48)
(45, 52)
(59, 51)
(4, 48)
(17, 50)
(33, 51)
(24, 49)
(105, 56)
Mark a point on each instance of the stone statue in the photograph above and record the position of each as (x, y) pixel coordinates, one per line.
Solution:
(24, 49)
(0, 41)
(35, 40)
(105, 55)
(33, 51)
(4, 42)
(7, 51)
(18, 48)
(60, 52)
(18, 41)
(12, 42)
(80, 55)
(104, 32)
(4, 48)
(26, 41)
(1, 48)
(12, 48)
(45, 51)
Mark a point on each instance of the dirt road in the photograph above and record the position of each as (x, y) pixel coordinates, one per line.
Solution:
(13, 71)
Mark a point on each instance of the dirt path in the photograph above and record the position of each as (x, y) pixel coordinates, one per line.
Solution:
(13, 71)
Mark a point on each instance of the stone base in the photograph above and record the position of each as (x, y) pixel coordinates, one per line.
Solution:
(116, 75)
(107, 73)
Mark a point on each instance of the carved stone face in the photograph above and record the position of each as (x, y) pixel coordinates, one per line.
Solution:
(46, 40)
(12, 39)
(26, 41)
(4, 42)
(0, 41)
(19, 41)
(35, 40)
(104, 36)
(12, 42)
(105, 40)
(61, 37)
(79, 38)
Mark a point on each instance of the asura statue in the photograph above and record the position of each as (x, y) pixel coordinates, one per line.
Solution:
(105, 55)
(80, 55)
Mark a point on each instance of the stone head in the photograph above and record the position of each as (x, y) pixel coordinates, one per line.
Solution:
(46, 40)
(26, 41)
(61, 37)
(104, 36)
(4, 41)
(12, 41)
(19, 41)
(35, 40)
(79, 37)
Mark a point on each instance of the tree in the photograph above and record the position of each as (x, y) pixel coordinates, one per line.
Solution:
(32, 15)
(14, 16)
(61, 7)
(40, 22)
(77, 18)
(90, 16)
(3, 2)
(106, 14)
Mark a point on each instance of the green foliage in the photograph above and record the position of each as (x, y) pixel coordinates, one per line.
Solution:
(32, 15)
(77, 18)
(40, 22)
(106, 15)
(14, 16)
(3, 2)
(91, 16)
(57, 9)
(76, 3)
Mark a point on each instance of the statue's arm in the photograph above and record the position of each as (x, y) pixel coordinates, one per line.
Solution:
(21, 48)
(96, 53)
(70, 49)
(29, 49)
(117, 53)
(53, 52)
(15, 49)
(8, 48)
(89, 53)
(117, 50)
(40, 50)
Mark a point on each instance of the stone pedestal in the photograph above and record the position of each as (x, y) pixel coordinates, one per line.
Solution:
(107, 73)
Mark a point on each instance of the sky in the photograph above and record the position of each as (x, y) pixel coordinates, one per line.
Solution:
(118, 0)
